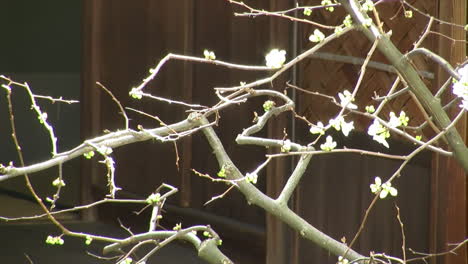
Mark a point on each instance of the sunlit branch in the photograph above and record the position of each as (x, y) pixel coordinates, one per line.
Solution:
(346, 150)
(281, 14)
(290, 63)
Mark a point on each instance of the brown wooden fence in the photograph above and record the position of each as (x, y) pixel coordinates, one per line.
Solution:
(123, 39)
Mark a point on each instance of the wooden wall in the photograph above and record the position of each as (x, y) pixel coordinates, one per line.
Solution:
(449, 188)
(123, 39)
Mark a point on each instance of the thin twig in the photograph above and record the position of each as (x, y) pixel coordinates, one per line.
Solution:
(75, 208)
(394, 86)
(122, 110)
(170, 101)
(403, 237)
(346, 150)
(219, 196)
(26, 177)
(425, 33)
(363, 223)
(426, 256)
(56, 100)
(281, 14)
(440, 21)
(170, 56)
(424, 113)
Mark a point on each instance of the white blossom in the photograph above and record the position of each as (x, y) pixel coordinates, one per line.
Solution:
(346, 100)
(286, 146)
(342, 260)
(335, 123)
(377, 185)
(401, 120)
(394, 120)
(368, 5)
(329, 144)
(384, 189)
(251, 177)
(317, 129)
(346, 127)
(275, 59)
(460, 88)
(209, 55)
(464, 104)
(318, 36)
(340, 124)
(379, 133)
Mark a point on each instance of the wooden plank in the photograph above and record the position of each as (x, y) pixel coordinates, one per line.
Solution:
(278, 243)
(90, 97)
(334, 199)
(187, 150)
(449, 184)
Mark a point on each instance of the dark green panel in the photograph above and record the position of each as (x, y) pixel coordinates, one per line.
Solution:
(40, 36)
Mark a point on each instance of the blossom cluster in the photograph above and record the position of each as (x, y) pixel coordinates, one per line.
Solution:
(380, 133)
(339, 124)
(346, 99)
(318, 36)
(384, 189)
(460, 88)
(275, 58)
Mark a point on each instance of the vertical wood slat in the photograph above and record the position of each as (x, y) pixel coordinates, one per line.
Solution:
(186, 160)
(90, 97)
(449, 184)
(278, 238)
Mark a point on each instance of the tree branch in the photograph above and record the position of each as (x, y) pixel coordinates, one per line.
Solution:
(409, 74)
(282, 212)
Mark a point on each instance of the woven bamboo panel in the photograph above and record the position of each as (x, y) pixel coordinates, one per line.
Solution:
(331, 77)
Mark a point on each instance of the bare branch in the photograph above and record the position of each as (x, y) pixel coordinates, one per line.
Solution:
(122, 110)
(294, 179)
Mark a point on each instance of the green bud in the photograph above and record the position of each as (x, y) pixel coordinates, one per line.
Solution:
(222, 173)
(89, 155)
(408, 14)
(268, 105)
